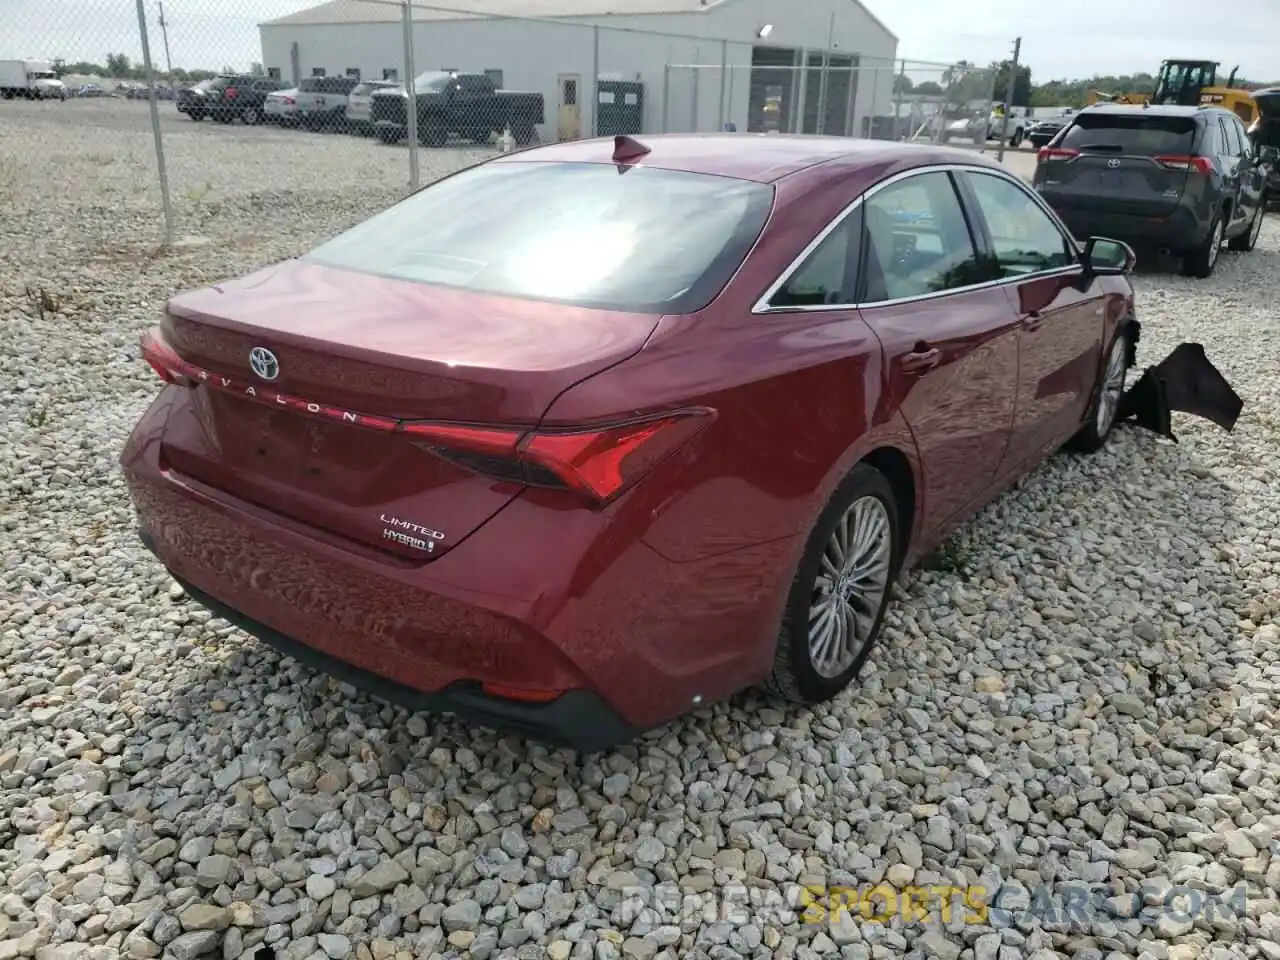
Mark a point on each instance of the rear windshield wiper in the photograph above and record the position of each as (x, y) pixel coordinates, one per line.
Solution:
(1103, 147)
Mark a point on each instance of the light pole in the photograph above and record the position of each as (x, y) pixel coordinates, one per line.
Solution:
(164, 32)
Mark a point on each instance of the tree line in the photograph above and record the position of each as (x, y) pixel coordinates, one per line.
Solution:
(119, 66)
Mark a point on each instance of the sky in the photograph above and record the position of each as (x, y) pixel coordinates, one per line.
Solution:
(1081, 38)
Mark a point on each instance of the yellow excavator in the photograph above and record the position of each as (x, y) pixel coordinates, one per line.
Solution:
(1189, 83)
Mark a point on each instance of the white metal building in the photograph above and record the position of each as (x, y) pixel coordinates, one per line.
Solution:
(791, 65)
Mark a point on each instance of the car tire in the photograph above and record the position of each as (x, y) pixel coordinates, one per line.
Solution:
(388, 136)
(1248, 239)
(1101, 418)
(812, 662)
(1016, 139)
(196, 117)
(1201, 261)
(251, 115)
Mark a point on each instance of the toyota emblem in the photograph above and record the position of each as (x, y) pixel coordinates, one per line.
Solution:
(264, 363)
(1113, 164)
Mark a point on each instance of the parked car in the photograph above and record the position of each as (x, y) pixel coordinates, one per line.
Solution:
(89, 90)
(1264, 135)
(462, 104)
(568, 452)
(281, 106)
(229, 97)
(193, 100)
(981, 127)
(359, 116)
(1042, 131)
(322, 101)
(1181, 178)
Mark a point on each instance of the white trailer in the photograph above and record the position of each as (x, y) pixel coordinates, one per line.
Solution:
(32, 79)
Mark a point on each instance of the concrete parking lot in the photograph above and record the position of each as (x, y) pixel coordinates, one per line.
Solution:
(1075, 702)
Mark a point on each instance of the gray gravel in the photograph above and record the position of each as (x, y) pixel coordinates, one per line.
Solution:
(1080, 696)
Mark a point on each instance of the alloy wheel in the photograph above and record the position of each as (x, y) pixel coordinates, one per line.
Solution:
(1215, 245)
(1112, 386)
(850, 587)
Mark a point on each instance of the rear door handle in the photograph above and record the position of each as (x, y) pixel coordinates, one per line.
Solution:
(922, 359)
(1032, 319)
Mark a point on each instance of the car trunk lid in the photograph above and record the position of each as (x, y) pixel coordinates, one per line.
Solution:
(1134, 165)
(317, 430)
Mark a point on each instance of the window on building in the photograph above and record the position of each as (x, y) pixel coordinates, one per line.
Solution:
(390, 73)
(317, 71)
(353, 72)
(496, 77)
(273, 73)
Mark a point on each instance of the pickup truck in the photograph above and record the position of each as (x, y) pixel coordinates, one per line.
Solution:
(465, 104)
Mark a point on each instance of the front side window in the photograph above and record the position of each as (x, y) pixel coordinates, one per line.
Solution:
(640, 239)
(917, 240)
(1025, 240)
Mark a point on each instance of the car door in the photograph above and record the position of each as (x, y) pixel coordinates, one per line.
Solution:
(1252, 177)
(950, 338)
(1060, 325)
(1230, 157)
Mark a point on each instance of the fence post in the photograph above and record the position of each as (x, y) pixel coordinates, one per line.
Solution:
(724, 70)
(991, 99)
(697, 71)
(897, 102)
(595, 81)
(411, 96)
(666, 98)
(155, 126)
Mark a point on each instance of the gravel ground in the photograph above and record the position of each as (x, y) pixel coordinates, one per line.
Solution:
(1075, 702)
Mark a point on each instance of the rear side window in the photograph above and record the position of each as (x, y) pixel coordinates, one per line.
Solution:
(1133, 136)
(638, 239)
(917, 240)
(309, 84)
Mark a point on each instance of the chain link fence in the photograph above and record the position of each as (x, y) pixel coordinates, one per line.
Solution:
(204, 102)
(830, 94)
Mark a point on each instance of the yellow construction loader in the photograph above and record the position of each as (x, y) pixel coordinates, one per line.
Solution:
(1189, 83)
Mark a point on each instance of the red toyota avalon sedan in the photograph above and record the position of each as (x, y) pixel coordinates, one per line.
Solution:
(575, 439)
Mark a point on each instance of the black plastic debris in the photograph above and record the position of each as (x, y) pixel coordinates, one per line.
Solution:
(1185, 381)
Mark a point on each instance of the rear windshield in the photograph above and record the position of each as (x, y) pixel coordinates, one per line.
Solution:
(638, 239)
(1136, 136)
(310, 84)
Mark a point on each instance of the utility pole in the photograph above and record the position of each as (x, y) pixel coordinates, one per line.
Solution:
(1008, 99)
(164, 32)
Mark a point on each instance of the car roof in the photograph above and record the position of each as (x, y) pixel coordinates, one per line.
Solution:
(1152, 110)
(751, 156)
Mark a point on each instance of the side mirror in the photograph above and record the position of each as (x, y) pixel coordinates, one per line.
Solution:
(1103, 257)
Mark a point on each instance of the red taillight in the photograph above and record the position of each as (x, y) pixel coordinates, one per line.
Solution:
(1056, 153)
(230, 93)
(288, 100)
(599, 463)
(1189, 164)
(161, 358)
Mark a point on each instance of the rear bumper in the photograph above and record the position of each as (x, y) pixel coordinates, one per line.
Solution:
(573, 603)
(578, 718)
(1180, 230)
